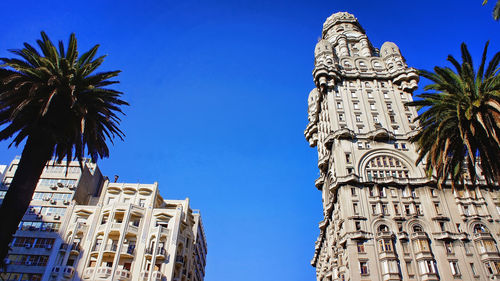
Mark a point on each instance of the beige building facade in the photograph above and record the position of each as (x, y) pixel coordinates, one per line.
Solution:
(383, 219)
(105, 231)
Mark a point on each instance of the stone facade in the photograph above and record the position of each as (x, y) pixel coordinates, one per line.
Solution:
(383, 218)
(80, 226)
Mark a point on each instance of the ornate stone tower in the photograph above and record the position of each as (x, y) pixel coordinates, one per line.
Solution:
(383, 219)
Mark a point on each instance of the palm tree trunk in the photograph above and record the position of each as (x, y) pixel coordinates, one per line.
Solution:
(37, 151)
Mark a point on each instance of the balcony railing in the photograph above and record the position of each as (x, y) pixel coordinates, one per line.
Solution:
(122, 274)
(103, 272)
(88, 272)
(111, 247)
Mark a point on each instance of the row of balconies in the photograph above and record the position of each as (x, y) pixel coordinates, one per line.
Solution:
(67, 271)
(120, 274)
(156, 276)
(112, 248)
(116, 226)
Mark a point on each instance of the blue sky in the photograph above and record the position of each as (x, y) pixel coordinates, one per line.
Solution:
(218, 93)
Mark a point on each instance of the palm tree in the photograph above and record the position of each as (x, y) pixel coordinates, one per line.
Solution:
(62, 107)
(496, 10)
(460, 127)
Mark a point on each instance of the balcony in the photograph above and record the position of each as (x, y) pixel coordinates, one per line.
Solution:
(179, 259)
(482, 235)
(103, 272)
(128, 251)
(132, 229)
(122, 274)
(96, 248)
(75, 248)
(161, 253)
(68, 272)
(88, 272)
(157, 276)
(110, 248)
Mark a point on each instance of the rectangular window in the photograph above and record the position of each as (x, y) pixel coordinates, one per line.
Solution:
(389, 106)
(454, 268)
(339, 105)
(396, 209)
(418, 209)
(363, 267)
(355, 208)
(448, 246)
(392, 118)
(358, 118)
(353, 191)
(353, 94)
(442, 226)
(361, 247)
(404, 245)
(341, 117)
(473, 269)
(372, 106)
(407, 209)
(384, 209)
(355, 105)
(348, 157)
(358, 225)
(437, 208)
(369, 94)
(374, 209)
(386, 95)
(410, 269)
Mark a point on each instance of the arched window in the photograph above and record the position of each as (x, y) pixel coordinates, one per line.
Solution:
(385, 166)
(417, 228)
(480, 228)
(383, 228)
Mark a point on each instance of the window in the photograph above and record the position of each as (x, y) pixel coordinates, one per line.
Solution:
(454, 268)
(480, 228)
(466, 211)
(372, 106)
(473, 269)
(381, 191)
(353, 94)
(341, 117)
(375, 119)
(437, 208)
(385, 245)
(417, 228)
(427, 266)
(339, 105)
(353, 191)
(448, 246)
(383, 228)
(358, 225)
(407, 209)
(392, 118)
(385, 166)
(371, 191)
(355, 105)
(358, 118)
(404, 245)
(369, 94)
(442, 226)
(386, 95)
(355, 208)
(396, 209)
(384, 209)
(389, 106)
(467, 247)
(363, 267)
(418, 209)
(367, 145)
(410, 269)
(348, 157)
(361, 247)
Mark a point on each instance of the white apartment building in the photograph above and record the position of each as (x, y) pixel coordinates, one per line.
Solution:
(383, 218)
(107, 231)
